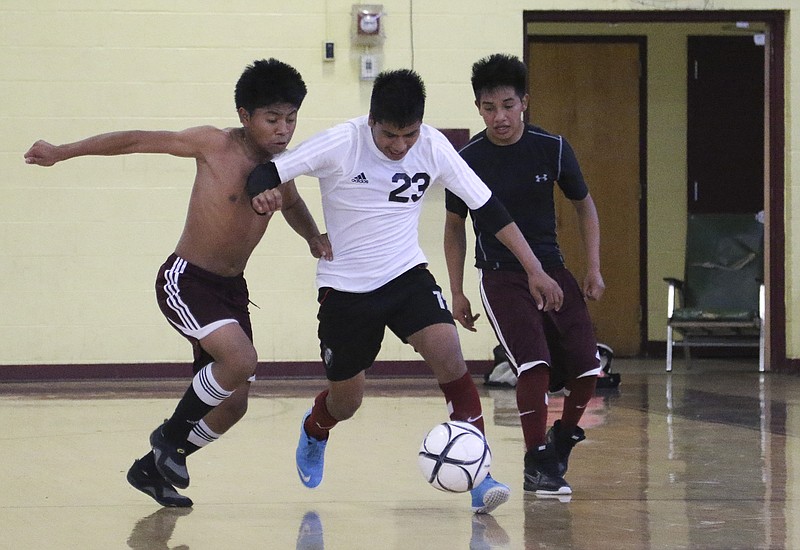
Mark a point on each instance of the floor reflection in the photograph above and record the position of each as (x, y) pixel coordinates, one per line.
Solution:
(701, 458)
(153, 532)
(487, 534)
(310, 535)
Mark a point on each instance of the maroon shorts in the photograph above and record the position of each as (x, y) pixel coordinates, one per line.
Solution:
(197, 302)
(563, 339)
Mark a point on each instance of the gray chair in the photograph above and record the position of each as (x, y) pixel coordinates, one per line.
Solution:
(720, 301)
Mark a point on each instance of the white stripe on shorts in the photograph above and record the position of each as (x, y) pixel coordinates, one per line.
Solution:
(493, 319)
(188, 325)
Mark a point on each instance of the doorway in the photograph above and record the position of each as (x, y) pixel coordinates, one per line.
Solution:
(632, 22)
(725, 130)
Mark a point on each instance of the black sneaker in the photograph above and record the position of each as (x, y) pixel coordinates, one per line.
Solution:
(540, 483)
(170, 459)
(541, 473)
(563, 443)
(156, 487)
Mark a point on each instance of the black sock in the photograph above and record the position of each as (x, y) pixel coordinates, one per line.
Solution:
(190, 448)
(148, 464)
(189, 411)
(203, 394)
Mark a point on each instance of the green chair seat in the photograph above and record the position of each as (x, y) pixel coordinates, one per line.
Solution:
(711, 315)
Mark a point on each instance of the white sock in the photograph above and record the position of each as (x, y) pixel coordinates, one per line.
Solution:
(201, 435)
(207, 388)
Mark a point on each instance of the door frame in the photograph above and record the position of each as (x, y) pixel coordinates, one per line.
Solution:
(774, 134)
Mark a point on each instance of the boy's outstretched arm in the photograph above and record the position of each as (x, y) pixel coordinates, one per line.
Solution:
(186, 143)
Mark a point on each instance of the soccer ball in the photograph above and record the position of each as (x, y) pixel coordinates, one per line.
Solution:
(454, 457)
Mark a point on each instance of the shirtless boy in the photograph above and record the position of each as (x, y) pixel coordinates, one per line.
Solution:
(201, 288)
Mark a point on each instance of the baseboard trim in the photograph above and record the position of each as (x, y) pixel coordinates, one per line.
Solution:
(140, 371)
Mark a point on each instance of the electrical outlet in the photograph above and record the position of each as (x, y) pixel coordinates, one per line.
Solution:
(369, 66)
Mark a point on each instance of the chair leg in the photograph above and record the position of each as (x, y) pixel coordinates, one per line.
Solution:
(669, 348)
(687, 352)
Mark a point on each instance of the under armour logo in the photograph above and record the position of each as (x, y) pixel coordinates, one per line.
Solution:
(327, 356)
(361, 178)
(540, 178)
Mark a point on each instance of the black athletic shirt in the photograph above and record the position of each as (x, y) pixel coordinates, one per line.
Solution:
(522, 176)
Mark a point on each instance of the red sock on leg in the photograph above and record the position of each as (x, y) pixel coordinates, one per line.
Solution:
(320, 422)
(581, 390)
(532, 386)
(463, 401)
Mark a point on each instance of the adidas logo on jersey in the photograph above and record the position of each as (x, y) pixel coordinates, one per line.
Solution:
(361, 178)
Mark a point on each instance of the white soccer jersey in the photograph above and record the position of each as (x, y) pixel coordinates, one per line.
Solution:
(372, 204)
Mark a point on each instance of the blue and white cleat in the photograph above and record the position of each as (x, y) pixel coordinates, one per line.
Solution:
(487, 496)
(310, 456)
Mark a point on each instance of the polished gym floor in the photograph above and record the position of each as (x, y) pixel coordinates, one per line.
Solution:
(700, 458)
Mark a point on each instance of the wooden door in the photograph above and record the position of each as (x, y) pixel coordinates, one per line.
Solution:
(725, 137)
(589, 91)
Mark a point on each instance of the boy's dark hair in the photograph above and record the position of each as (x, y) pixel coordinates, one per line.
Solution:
(398, 97)
(498, 70)
(269, 81)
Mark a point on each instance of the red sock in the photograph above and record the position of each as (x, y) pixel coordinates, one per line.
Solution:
(532, 386)
(580, 391)
(463, 402)
(320, 422)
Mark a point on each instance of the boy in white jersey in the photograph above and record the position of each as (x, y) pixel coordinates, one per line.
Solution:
(373, 172)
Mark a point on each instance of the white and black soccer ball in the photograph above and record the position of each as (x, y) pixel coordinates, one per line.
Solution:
(454, 457)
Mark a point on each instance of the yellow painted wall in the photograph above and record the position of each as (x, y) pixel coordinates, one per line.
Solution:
(80, 242)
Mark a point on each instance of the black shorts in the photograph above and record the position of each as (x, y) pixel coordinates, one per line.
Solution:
(563, 339)
(352, 325)
(197, 302)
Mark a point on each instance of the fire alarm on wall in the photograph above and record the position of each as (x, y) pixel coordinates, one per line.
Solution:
(368, 24)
